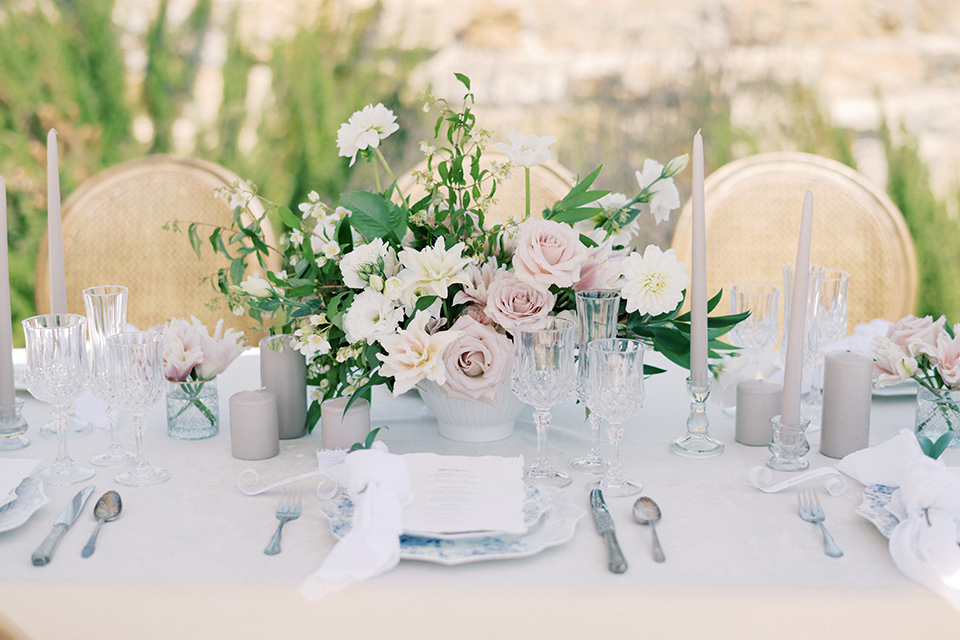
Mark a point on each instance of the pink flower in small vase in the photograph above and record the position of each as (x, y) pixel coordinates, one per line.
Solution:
(948, 359)
(918, 336)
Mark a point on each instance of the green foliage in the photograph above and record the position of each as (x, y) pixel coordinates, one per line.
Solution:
(368, 442)
(936, 234)
(934, 449)
(62, 69)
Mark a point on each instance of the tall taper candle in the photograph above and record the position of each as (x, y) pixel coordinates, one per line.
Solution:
(7, 391)
(698, 279)
(58, 286)
(793, 365)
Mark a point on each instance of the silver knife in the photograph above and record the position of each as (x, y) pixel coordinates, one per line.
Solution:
(618, 564)
(45, 551)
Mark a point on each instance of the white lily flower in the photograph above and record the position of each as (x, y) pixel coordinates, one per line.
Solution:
(432, 270)
(526, 151)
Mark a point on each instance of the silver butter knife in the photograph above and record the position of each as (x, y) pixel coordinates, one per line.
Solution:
(45, 551)
(604, 522)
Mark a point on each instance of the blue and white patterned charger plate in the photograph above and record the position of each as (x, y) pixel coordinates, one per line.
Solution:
(30, 497)
(874, 508)
(554, 526)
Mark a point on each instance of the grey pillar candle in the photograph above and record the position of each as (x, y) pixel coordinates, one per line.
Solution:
(340, 430)
(254, 434)
(757, 402)
(847, 391)
(283, 370)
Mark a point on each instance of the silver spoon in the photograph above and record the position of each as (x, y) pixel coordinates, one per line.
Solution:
(646, 511)
(107, 509)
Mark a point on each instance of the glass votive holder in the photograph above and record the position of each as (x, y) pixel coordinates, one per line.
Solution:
(12, 426)
(789, 445)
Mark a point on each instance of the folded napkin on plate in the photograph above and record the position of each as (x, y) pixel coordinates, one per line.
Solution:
(379, 485)
(927, 503)
(12, 473)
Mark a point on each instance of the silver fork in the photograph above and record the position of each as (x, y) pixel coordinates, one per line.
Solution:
(287, 510)
(811, 511)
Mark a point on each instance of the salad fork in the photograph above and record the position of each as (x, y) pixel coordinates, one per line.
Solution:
(811, 511)
(287, 510)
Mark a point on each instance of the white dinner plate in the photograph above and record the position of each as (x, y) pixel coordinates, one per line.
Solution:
(30, 497)
(559, 521)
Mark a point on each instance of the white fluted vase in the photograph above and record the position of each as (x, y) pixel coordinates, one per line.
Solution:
(468, 421)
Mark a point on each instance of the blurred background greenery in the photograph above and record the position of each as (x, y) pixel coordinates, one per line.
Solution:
(62, 66)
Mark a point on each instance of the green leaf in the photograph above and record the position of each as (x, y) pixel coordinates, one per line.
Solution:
(194, 239)
(373, 216)
(934, 449)
(313, 415)
(288, 218)
(424, 303)
(464, 80)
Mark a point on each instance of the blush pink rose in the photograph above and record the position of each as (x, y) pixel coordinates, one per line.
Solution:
(477, 362)
(918, 335)
(948, 360)
(511, 302)
(548, 253)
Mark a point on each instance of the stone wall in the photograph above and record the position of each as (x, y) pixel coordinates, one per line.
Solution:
(552, 66)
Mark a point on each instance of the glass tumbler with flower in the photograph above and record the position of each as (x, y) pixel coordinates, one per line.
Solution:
(615, 392)
(545, 375)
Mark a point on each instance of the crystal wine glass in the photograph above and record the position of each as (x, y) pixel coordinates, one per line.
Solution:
(597, 313)
(831, 326)
(759, 332)
(544, 375)
(615, 393)
(136, 373)
(57, 372)
(106, 316)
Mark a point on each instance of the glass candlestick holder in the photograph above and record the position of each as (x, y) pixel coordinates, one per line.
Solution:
(697, 443)
(789, 445)
(12, 426)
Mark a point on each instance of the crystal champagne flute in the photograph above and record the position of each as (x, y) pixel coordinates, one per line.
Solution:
(106, 316)
(57, 372)
(597, 312)
(544, 375)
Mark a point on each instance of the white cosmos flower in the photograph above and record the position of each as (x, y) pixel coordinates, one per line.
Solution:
(365, 128)
(526, 151)
(368, 260)
(413, 354)
(432, 270)
(665, 197)
(371, 317)
(654, 282)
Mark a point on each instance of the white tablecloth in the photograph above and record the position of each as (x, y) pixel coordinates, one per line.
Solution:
(185, 559)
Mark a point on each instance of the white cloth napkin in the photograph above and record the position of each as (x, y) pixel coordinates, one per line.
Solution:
(12, 473)
(927, 503)
(379, 485)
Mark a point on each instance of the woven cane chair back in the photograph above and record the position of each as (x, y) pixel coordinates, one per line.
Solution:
(113, 235)
(549, 182)
(753, 208)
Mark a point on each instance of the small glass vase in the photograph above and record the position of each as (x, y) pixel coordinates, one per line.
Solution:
(938, 411)
(193, 409)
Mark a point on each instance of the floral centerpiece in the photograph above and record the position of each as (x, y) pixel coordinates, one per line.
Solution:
(927, 351)
(192, 360)
(382, 288)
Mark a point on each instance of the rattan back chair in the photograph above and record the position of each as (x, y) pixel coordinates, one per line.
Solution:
(549, 182)
(113, 235)
(753, 208)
